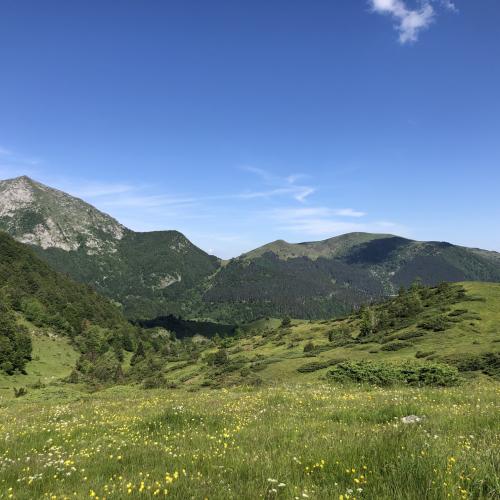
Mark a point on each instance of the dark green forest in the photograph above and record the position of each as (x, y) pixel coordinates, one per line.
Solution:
(30, 289)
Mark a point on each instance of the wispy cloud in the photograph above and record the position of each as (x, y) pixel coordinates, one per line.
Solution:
(288, 185)
(323, 222)
(97, 190)
(410, 21)
(349, 212)
(227, 223)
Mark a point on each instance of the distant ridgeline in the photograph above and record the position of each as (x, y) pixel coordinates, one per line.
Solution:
(159, 273)
(188, 328)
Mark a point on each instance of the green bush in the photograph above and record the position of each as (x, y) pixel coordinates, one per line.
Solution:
(414, 334)
(286, 322)
(318, 365)
(436, 324)
(158, 381)
(457, 312)
(396, 345)
(488, 363)
(309, 347)
(424, 354)
(386, 374)
(217, 358)
(313, 366)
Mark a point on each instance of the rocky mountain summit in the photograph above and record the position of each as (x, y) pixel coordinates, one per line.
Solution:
(39, 215)
(146, 273)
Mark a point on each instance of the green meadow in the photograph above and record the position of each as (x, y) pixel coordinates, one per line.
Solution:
(286, 441)
(270, 419)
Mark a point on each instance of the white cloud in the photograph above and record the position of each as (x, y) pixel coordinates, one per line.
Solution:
(349, 212)
(228, 223)
(317, 212)
(323, 222)
(281, 186)
(409, 22)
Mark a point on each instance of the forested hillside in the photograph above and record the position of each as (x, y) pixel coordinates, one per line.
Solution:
(322, 279)
(31, 290)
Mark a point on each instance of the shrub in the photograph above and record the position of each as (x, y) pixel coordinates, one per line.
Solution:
(217, 358)
(286, 322)
(309, 347)
(386, 374)
(312, 367)
(424, 354)
(488, 363)
(396, 345)
(158, 381)
(410, 335)
(436, 324)
(458, 312)
(37, 385)
(254, 381)
(364, 372)
(318, 365)
(22, 391)
(258, 366)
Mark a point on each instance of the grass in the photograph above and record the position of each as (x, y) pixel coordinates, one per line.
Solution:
(296, 436)
(53, 359)
(285, 347)
(309, 441)
(281, 350)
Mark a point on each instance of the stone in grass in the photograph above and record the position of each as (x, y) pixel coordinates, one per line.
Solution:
(411, 419)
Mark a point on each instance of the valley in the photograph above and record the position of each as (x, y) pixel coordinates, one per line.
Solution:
(249, 250)
(137, 365)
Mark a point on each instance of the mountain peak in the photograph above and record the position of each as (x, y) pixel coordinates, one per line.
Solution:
(39, 215)
(331, 247)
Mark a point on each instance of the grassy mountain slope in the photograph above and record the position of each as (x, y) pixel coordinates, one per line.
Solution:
(332, 247)
(321, 279)
(53, 359)
(468, 337)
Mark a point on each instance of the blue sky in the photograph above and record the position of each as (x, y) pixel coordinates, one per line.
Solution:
(241, 122)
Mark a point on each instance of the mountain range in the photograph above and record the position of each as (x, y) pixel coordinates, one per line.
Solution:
(157, 273)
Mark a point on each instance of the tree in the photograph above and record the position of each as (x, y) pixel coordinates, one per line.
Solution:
(286, 322)
(218, 358)
(369, 322)
(15, 341)
(139, 354)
